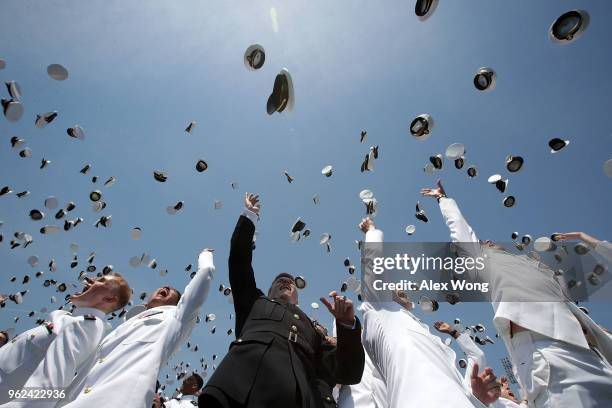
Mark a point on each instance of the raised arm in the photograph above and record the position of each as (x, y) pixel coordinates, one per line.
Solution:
(372, 249)
(196, 291)
(603, 248)
(473, 353)
(241, 275)
(460, 230)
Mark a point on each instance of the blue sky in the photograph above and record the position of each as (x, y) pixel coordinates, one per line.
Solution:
(141, 71)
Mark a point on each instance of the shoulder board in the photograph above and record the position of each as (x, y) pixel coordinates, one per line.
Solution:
(89, 317)
(151, 314)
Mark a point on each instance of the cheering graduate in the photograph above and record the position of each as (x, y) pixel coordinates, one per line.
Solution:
(278, 355)
(417, 368)
(557, 364)
(188, 394)
(124, 369)
(46, 357)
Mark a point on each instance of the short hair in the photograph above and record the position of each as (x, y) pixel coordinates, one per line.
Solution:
(178, 294)
(280, 275)
(199, 379)
(122, 290)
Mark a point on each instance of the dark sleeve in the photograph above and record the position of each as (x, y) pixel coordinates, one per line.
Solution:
(241, 275)
(343, 364)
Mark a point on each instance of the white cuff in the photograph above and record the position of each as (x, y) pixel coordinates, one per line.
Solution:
(374, 235)
(205, 259)
(251, 216)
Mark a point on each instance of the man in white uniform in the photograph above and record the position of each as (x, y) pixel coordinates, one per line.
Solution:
(124, 369)
(417, 368)
(188, 396)
(47, 356)
(546, 341)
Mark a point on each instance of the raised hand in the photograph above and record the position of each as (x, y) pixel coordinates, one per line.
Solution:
(443, 327)
(251, 202)
(434, 192)
(568, 236)
(575, 236)
(342, 308)
(485, 386)
(366, 224)
(400, 297)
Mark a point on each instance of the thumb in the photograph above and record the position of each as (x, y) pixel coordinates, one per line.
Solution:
(439, 182)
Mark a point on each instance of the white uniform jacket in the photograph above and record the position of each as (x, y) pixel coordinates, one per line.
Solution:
(416, 366)
(124, 369)
(41, 357)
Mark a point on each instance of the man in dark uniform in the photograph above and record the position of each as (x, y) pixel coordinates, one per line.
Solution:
(278, 355)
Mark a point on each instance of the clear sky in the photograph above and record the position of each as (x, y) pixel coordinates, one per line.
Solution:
(140, 71)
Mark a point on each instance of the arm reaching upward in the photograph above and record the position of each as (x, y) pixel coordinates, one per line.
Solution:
(196, 291)
(373, 248)
(473, 353)
(603, 248)
(460, 230)
(241, 274)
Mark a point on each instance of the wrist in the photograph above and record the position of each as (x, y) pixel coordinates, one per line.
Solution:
(439, 196)
(348, 324)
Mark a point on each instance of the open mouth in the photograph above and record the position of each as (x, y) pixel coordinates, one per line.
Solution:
(162, 293)
(82, 292)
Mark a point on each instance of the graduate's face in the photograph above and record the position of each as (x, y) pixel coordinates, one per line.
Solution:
(98, 293)
(284, 288)
(163, 296)
(3, 339)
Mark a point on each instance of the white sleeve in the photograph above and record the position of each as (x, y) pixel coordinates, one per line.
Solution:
(372, 249)
(374, 235)
(604, 248)
(197, 290)
(76, 341)
(460, 230)
(251, 216)
(474, 356)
